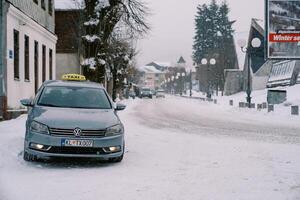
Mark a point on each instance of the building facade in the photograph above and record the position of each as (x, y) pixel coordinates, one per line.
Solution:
(67, 30)
(28, 50)
(237, 80)
(152, 77)
(284, 73)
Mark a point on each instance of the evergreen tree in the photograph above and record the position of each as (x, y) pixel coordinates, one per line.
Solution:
(214, 38)
(226, 51)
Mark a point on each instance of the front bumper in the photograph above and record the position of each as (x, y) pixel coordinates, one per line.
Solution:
(58, 150)
(146, 95)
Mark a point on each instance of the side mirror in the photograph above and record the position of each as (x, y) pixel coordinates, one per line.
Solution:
(120, 107)
(26, 102)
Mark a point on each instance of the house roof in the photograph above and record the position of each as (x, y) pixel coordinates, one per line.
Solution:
(159, 64)
(181, 60)
(150, 69)
(258, 24)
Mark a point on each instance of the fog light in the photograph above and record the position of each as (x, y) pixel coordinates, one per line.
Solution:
(39, 147)
(112, 149)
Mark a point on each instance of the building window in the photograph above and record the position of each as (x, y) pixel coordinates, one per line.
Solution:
(36, 1)
(50, 64)
(50, 7)
(26, 58)
(16, 55)
(36, 66)
(43, 4)
(43, 63)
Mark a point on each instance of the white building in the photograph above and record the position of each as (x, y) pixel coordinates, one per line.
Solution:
(152, 77)
(29, 45)
(67, 29)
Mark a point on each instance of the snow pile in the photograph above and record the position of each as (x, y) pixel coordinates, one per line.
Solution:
(282, 111)
(102, 4)
(101, 62)
(92, 22)
(91, 38)
(91, 62)
(174, 150)
(68, 4)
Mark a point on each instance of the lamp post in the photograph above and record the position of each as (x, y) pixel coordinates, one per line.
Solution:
(191, 83)
(182, 83)
(204, 61)
(255, 43)
(172, 84)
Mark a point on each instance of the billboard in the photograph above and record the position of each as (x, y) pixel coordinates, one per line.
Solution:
(283, 29)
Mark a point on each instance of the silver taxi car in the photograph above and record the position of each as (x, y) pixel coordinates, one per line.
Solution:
(73, 118)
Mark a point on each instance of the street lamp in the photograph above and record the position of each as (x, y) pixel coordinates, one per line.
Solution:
(183, 82)
(255, 43)
(191, 83)
(212, 61)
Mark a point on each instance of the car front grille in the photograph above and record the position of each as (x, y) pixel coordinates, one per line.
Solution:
(70, 132)
(77, 150)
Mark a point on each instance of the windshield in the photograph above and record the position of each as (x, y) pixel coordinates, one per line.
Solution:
(74, 97)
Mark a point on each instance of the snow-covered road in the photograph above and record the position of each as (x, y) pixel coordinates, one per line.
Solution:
(176, 149)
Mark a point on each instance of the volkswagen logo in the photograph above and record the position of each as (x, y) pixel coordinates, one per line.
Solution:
(77, 132)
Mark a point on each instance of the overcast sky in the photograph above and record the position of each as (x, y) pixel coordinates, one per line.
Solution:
(173, 27)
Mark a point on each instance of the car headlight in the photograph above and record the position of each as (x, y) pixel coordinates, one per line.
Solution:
(39, 128)
(114, 130)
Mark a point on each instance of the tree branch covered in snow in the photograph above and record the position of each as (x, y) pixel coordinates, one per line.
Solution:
(102, 19)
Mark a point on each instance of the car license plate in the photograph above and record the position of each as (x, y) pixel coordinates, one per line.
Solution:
(77, 143)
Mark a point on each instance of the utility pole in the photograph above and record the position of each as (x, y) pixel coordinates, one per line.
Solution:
(191, 83)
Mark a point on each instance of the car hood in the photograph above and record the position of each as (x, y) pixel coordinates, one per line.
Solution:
(70, 118)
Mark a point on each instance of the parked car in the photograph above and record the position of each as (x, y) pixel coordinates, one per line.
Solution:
(132, 94)
(160, 94)
(146, 92)
(73, 119)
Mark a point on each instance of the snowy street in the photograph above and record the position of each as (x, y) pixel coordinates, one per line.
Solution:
(176, 148)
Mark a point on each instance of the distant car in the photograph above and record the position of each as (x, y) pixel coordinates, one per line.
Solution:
(146, 92)
(73, 118)
(160, 94)
(153, 92)
(132, 94)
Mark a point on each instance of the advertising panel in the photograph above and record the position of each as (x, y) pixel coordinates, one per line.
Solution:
(283, 29)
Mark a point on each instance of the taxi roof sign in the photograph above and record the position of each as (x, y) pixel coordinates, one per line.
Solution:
(73, 77)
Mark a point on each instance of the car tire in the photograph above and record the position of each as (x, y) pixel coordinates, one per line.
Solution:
(29, 157)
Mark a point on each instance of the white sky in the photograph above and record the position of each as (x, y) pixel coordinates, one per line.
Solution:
(173, 27)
